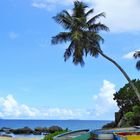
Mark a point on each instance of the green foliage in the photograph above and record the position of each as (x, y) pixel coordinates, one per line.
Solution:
(129, 104)
(136, 110)
(129, 115)
(126, 98)
(51, 135)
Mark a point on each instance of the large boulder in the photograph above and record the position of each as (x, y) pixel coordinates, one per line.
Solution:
(53, 129)
(41, 129)
(6, 130)
(25, 130)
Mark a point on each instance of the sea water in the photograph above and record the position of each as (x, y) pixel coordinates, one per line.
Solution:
(70, 124)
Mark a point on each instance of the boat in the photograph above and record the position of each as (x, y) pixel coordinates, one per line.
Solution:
(74, 135)
(131, 133)
(127, 136)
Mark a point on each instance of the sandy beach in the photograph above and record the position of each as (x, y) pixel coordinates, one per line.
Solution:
(7, 138)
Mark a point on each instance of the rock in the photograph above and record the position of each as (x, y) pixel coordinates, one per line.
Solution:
(5, 130)
(25, 130)
(41, 129)
(53, 129)
(118, 116)
(122, 122)
(4, 135)
(37, 133)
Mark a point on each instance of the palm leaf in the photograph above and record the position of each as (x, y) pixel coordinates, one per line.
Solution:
(136, 54)
(138, 65)
(94, 19)
(63, 19)
(79, 9)
(98, 27)
(89, 12)
(61, 37)
(69, 51)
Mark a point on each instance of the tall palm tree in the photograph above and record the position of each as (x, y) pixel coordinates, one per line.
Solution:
(83, 35)
(137, 55)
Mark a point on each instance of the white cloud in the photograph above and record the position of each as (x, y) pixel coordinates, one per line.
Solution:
(129, 55)
(10, 108)
(49, 4)
(104, 108)
(122, 16)
(104, 105)
(13, 35)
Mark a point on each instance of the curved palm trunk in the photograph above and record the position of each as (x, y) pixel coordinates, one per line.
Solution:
(123, 72)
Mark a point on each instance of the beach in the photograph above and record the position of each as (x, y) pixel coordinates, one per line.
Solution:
(8, 138)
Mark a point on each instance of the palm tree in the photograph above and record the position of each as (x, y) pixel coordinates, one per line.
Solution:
(83, 35)
(137, 55)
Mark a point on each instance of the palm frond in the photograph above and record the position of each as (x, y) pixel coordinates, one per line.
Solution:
(137, 54)
(67, 14)
(138, 65)
(89, 12)
(78, 56)
(98, 27)
(69, 51)
(79, 9)
(63, 19)
(94, 19)
(61, 37)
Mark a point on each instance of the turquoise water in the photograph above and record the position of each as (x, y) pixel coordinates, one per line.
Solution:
(70, 124)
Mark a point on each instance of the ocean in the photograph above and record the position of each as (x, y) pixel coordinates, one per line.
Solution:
(70, 124)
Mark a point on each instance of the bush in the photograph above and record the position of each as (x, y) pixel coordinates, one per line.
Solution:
(51, 135)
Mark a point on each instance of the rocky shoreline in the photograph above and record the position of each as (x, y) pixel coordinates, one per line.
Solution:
(8, 132)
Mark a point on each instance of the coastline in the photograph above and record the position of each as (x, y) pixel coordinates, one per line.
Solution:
(12, 138)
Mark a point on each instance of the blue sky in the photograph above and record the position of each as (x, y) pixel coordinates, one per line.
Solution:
(36, 83)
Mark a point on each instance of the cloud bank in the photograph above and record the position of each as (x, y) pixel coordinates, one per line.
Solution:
(104, 103)
(103, 108)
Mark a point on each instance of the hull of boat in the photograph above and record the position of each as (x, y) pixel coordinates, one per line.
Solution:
(74, 135)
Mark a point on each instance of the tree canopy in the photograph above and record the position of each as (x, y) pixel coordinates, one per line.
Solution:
(128, 103)
(126, 98)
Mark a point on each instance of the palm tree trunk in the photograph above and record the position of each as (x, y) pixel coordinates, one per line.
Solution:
(123, 72)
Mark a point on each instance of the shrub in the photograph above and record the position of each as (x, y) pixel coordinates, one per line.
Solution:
(51, 135)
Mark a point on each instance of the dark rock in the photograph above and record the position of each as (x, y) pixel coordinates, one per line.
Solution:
(4, 135)
(41, 129)
(122, 122)
(53, 129)
(37, 133)
(25, 130)
(5, 130)
(118, 116)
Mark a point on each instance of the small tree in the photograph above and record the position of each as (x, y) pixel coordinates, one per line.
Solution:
(128, 103)
(126, 99)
